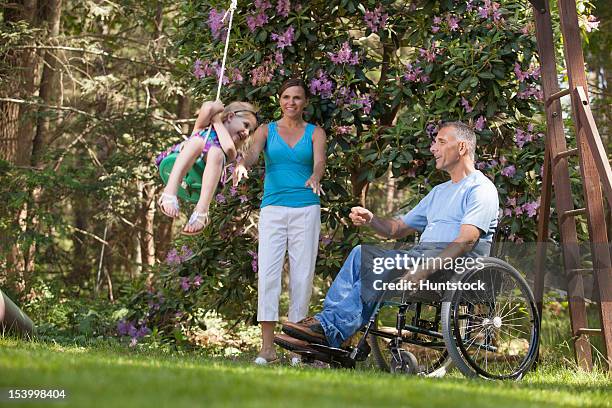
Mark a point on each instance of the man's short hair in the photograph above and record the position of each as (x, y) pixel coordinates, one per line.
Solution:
(463, 133)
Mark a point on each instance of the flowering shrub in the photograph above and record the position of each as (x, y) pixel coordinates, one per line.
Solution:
(383, 75)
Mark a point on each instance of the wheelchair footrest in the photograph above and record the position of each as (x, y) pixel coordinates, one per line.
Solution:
(336, 352)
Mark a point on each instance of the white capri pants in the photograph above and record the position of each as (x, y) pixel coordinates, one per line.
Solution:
(295, 229)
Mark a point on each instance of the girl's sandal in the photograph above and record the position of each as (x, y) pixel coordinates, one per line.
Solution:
(197, 218)
(168, 200)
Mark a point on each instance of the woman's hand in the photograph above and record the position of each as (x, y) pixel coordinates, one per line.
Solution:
(361, 216)
(239, 172)
(314, 183)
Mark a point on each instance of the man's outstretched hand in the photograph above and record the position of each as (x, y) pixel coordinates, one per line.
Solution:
(361, 216)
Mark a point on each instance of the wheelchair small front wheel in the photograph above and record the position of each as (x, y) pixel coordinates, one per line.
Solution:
(493, 331)
(403, 362)
(430, 352)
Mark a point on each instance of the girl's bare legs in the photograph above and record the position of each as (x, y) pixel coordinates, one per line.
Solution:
(210, 180)
(268, 350)
(188, 155)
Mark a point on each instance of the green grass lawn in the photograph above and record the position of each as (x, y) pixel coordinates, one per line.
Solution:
(108, 376)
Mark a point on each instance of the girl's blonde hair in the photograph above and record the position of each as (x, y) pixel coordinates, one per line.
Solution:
(242, 110)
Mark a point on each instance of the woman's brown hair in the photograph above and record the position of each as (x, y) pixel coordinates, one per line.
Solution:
(294, 82)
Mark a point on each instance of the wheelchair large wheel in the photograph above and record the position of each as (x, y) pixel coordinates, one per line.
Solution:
(430, 352)
(492, 332)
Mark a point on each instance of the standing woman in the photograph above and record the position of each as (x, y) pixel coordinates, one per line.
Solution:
(290, 217)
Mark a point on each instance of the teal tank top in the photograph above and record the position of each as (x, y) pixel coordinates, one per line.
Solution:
(287, 170)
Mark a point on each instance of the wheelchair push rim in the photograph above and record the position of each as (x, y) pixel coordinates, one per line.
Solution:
(492, 333)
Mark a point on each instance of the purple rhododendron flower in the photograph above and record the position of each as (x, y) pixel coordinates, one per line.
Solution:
(278, 57)
(345, 55)
(142, 331)
(453, 22)
(132, 330)
(123, 327)
(254, 264)
(262, 5)
(365, 102)
(321, 85)
(283, 7)
(237, 75)
(344, 96)
(215, 22)
(173, 258)
(243, 198)
(509, 171)
(257, 20)
(198, 72)
(186, 253)
(531, 208)
(521, 137)
(343, 130)
(466, 105)
(480, 123)
(531, 90)
(376, 20)
(431, 130)
(185, 285)
(197, 281)
(284, 40)
(220, 198)
(261, 75)
(414, 73)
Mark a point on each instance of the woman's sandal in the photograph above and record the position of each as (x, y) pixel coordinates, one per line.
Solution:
(170, 200)
(263, 361)
(197, 218)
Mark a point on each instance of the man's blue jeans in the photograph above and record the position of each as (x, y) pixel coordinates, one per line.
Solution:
(344, 312)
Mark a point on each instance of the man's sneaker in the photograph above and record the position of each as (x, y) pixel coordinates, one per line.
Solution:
(308, 329)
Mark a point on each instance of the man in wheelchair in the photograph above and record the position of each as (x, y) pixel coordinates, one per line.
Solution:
(462, 212)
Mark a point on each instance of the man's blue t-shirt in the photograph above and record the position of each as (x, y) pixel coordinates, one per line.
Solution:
(439, 215)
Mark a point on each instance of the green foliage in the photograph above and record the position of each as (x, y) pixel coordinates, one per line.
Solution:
(379, 112)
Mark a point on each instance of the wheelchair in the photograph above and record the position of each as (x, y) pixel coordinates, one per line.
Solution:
(491, 333)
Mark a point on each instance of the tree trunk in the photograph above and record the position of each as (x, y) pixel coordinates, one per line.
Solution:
(48, 89)
(148, 236)
(16, 126)
(80, 260)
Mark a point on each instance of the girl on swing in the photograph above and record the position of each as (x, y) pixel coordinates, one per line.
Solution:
(231, 126)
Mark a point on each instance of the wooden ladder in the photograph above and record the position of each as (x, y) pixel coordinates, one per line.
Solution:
(595, 172)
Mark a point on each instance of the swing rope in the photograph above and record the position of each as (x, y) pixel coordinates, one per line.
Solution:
(230, 11)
